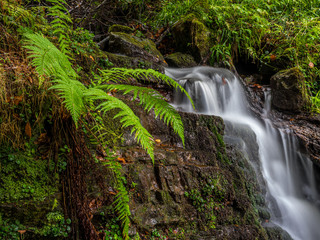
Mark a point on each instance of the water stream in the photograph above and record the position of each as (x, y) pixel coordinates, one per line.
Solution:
(291, 190)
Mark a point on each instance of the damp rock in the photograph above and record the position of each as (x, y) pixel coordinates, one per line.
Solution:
(192, 36)
(180, 60)
(289, 90)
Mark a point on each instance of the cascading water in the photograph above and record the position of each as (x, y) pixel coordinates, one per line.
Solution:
(292, 195)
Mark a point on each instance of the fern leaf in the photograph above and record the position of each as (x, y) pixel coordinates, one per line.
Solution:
(49, 61)
(126, 115)
(121, 199)
(152, 99)
(124, 75)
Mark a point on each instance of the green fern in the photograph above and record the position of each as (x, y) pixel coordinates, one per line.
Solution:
(151, 99)
(127, 117)
(50, 62)
(124, 75)
(122, 198)
(61, 24)
(13, 13)
(54, 64)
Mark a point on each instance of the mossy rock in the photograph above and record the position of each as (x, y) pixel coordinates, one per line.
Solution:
(180, 60)
(192, 36)
(289, 90)
(119, 60)
(120, 28)
(132, 46)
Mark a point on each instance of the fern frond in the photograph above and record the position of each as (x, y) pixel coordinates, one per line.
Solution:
(50, 61)
(61, 24)
(122, 198)
(126, 115)
(17, 14)
(152, 99)
(47, 59)
(123, 75)
(72, 92)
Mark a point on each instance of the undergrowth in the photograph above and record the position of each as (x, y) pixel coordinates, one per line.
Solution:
(272, 34)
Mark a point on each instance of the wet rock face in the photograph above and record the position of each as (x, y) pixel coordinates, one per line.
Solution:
(288, 90)
(191, 36)
(204, 188)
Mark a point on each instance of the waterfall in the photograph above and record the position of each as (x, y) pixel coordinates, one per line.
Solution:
(291, 191)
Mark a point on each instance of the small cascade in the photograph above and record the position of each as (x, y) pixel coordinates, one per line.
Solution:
(292, 193)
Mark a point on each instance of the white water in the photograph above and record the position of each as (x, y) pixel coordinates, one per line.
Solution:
(292, 195)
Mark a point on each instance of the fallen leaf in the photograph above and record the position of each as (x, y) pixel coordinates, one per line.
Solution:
(273, 57)
(17, 100)
(28, 129)
(120, 159)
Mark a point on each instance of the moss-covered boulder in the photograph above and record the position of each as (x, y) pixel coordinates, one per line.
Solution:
(132, 46)
(191, 36)
(180, 60)
(120, 28)
(289, 90)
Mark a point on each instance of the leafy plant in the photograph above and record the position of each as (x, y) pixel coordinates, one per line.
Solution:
(54, 64)
(56, 226)
(61, 24)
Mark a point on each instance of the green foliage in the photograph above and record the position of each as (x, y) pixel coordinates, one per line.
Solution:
(55, 226)
(121, 203)
(50, 61)
(277, 34)
(113, 231)
(24, 177)
(15, 15)
(209, 199)
(61, 23)
(9, 230)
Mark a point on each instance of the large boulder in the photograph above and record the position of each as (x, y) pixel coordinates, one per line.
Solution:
(132, 46)
(288, 90)
(191, 36)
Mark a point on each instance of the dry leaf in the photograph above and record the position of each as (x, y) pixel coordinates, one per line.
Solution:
(273, 57)
(28, 129)
(17, 100)
(120, 159)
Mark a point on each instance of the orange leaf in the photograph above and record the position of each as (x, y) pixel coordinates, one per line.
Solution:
(92, 58)
(17, 100)
(28, 129)
(311, 65)
(273, 57)
(120, 159)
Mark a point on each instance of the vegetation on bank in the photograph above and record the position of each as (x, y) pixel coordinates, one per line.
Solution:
(274, 35)
(55, 86)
